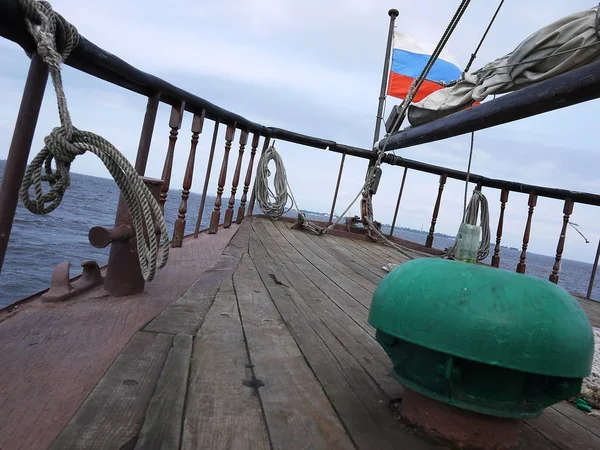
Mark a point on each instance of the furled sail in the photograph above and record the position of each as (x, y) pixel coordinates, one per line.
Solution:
(566, 44)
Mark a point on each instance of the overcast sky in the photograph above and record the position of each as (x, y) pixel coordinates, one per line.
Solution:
(315, 67)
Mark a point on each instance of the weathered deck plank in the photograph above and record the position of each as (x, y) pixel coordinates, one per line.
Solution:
(359, 343)
(297, 411)
(222, 413)
(334, 356)
(564, 432)
(111, 416)
(357, 309)
(164, 416)
(318, 254)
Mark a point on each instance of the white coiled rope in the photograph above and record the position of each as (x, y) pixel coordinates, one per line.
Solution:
(478, 204)
(273, 204)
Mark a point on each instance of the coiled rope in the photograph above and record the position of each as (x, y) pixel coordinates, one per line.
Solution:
(66, 142)
(477, 204)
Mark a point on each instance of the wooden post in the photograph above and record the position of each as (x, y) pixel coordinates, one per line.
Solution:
(337, 188)
(436, 210)
(207, 177)
(398, 201)
(236, 179)
(593, 275)
(503, 200)
(146, 136)
(253, 196)
(179, 228)
(242, 208)
(567, 211)
(216, 214)
(175, 124)
(521, 267)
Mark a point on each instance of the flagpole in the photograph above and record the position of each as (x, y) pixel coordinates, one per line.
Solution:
(393, 13)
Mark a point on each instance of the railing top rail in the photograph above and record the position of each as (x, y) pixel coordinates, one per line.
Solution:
(91, 59)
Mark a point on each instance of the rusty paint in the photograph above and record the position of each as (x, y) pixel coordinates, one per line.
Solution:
(398, 201)
(503, 200)
(175, 124)
(216, 214)
(567, 211)
(242, 208)
(456, 427)
(62, 289)
(436, 210)
(179, 227)
(522, 266)
(123, 273)
(337, 187)
(20, 146)
(236, 180)
(207, 177)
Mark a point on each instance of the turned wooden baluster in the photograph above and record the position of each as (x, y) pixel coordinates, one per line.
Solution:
(179, 229)
(236, 179)
(436, 210)
(242, 208)
(216, 214)
(253, 195)
(532, 202)
(567, 211)
(503, 201)
(175, 124)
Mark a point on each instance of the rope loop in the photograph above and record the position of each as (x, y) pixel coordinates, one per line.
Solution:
(51, 31)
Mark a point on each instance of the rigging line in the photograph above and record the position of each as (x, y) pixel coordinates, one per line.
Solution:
(487, 30)
(468, 174)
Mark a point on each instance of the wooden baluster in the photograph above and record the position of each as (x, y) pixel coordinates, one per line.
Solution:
(567, 211)
(146, 135)
(253, 195)
(236, 179)
(179, 228)
(503, 201)
(216, 214)
(242, 208)
(436, 210)
(175, 124)
(532, 202)
(207, 177)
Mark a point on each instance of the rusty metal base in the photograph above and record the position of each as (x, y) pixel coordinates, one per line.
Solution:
(458, 427)
(62, 289)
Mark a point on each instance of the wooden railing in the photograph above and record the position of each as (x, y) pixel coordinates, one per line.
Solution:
(95, 61)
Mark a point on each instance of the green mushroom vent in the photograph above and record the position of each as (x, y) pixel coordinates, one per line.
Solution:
(483, 339)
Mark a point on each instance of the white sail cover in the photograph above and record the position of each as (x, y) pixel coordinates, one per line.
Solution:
(574, 40)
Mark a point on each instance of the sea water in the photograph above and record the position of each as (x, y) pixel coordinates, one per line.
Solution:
(38, 243)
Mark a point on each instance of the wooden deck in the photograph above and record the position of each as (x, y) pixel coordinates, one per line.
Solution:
(269, 348)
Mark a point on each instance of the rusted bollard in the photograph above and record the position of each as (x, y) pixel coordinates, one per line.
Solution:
(123, 274)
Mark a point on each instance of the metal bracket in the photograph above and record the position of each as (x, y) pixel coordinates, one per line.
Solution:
(62, 289)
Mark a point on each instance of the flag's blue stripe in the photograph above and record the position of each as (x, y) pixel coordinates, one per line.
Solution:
(411, 65)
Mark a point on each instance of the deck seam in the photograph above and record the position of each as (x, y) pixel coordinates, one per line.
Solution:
(337, 413)
(250, 363)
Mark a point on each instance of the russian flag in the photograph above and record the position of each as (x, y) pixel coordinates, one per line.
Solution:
(409, 57)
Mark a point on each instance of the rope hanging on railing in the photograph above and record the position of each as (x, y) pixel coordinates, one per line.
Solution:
(477, 204)
(66, 142)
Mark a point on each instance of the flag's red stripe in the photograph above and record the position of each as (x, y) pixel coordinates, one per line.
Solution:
(399, 85)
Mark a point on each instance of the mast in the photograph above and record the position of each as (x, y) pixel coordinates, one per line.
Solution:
(393, 13)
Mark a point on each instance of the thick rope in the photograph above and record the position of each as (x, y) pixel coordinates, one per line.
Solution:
(478, 204)
(66, 142)
(272, 204)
